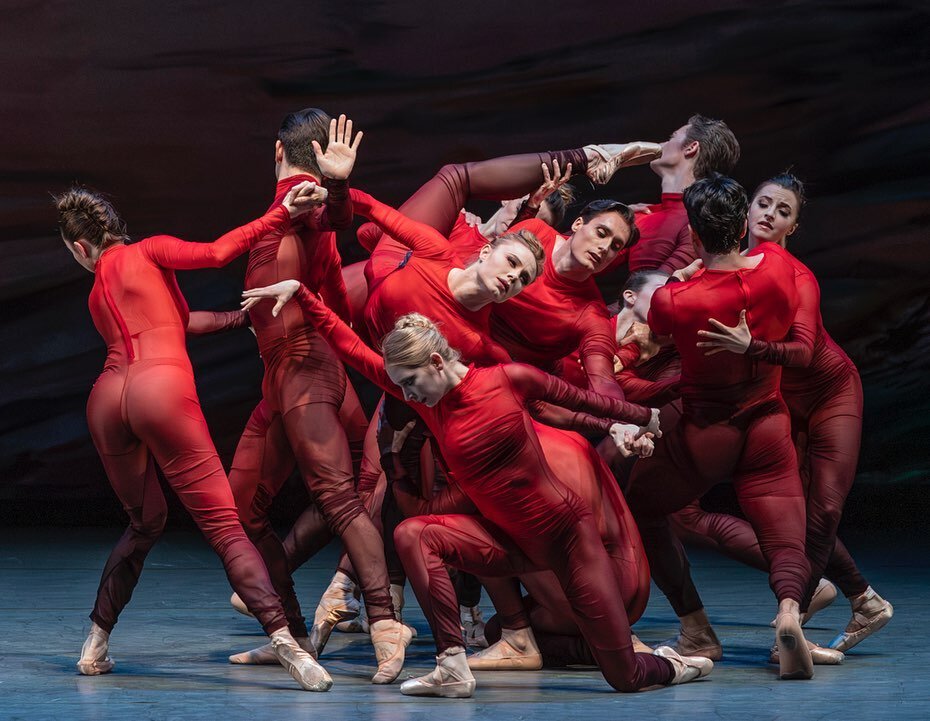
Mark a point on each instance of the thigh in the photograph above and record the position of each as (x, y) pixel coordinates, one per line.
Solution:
(262, 463)
(320, 446)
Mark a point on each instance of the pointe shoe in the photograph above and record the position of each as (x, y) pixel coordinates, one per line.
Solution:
(472, 627)
(820, 656)
(686, 668)
(613, 157)
(870, 613)
(823, 596)
(265, 655)
(515, 651)
(302, 667)
(794, 656)
(337, 604)
(450, 679)
(238, 604)
(639, 646)
(698, 642)
(359, 624)
(94, 660)
(390, 639)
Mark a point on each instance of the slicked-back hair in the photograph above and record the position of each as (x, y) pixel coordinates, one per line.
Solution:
(719, 149)
(599, 207)
(296, 133)
(717, 208)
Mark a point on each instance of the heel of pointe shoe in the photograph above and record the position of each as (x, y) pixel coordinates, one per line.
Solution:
(865, 621)
(794, 657)
(237, 603)
(302, 667)
(450, 679)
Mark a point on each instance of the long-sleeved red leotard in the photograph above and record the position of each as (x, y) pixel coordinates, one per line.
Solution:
(664, 237)
(485, 434)
(144, 410)
(734, 425)
(555, 316)
(303, 388)
(821, 388)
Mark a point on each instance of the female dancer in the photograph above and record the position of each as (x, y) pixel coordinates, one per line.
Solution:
(143, 411)
(821, 387)
(479, 418)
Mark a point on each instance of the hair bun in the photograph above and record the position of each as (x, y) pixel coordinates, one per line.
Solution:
(414, 320)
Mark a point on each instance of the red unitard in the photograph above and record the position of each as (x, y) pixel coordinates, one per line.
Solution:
(664, 237)
(529, 519)
(546, 609)
(555, 316)
(734, 426)
(144, 410)
(823, 393)
(298, 420)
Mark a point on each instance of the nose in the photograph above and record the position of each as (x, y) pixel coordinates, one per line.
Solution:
(407, 395)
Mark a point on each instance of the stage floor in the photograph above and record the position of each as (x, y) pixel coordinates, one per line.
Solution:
(172, 641)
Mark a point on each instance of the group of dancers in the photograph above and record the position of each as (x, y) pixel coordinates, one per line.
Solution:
(529, 444)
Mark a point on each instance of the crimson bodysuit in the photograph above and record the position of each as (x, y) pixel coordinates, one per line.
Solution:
(529, 519)
(298, 418)
(144, 410)
(664, 237)
(734, 426)
(823, 393)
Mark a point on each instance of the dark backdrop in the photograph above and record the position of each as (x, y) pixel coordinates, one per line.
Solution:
(173, 109)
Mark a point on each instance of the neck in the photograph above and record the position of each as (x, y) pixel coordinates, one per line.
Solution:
(733, 260)
(675, 180)
(625, 319)
(456, 372)
(753, 242)
(564, 262)
(285, 170)
(467, 289)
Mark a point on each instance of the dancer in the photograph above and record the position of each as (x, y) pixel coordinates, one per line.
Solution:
(822, 390)
(699, 148)
(479, 418)
(303, 389)
(735, 424)
(144, 410)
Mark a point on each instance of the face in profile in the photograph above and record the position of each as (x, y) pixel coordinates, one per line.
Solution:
(425, 384)
(673, 149)
(639, 301)
(773, 214)
(595, 244)
(506, 268)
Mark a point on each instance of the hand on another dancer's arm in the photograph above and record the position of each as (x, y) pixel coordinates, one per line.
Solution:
(735, 339)
(631, 441)
(640, 208)
(640, 334)
(303, 198)
(339, 159)
(282, 292)
(689, 270)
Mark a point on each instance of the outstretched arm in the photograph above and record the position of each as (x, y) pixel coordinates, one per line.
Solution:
(348, 346)
(205, 322)
(419, 237)
(532, 384)
(176, 254)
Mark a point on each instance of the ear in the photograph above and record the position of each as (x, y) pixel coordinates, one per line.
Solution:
(82, 248)
(691, 150)
(792, 229)
(745, 227)
(579, 221)
(278, 151)
(629, 298)
(437, 361)
(484, 252)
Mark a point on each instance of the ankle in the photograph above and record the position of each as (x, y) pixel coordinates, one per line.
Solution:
(695, 621)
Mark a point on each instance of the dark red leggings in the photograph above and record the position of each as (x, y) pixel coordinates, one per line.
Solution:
(575, 555)
(147, 414)
(312, 436)
(558, 649)
(755, 451)
(831, 427)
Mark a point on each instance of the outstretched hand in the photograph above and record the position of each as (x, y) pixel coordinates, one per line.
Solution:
(552, 181)
(303, 198)
(282, 292)
(339, 159)
(735, 339)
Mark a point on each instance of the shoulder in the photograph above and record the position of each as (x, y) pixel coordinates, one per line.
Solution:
(543, 231)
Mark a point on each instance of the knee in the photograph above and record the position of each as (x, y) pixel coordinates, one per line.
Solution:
(150, 523)
(408, 534)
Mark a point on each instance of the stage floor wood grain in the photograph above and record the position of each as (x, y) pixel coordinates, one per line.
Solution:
(172, 641)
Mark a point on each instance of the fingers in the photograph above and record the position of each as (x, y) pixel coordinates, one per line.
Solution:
(249, 303)
(347, 135)
(358, 139)
(717, 324)
(715, 351)
(627, 339)
(332, 131)
(317, 148)
(568, 174)
(341, 128)
(722, 337)
(547, 178)
(742, 317)
(277, 307)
